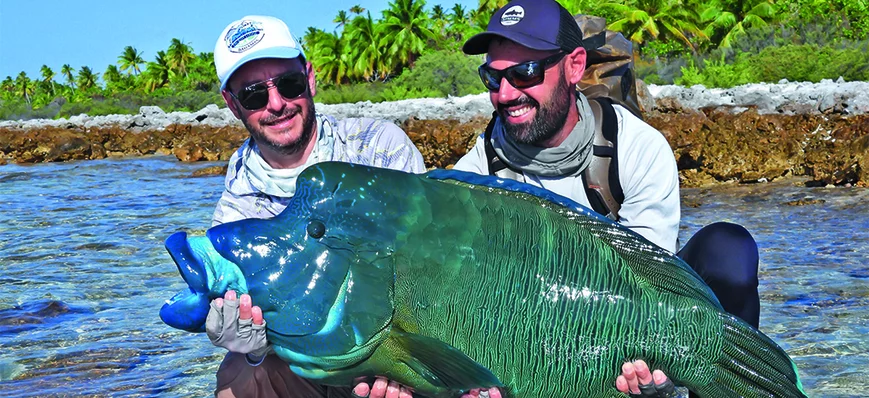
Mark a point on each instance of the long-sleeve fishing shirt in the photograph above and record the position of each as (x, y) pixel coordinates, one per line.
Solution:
(362, 141)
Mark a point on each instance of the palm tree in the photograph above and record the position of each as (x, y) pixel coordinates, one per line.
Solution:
(7, 84)
(458, 14)
(112, 77)
(406, 31)
(68, 72)
(357, 9)
(157, 73)
(326, 52)
(179, 56)
(309, 38)
(200, 75)
(439, 19)
(581, 6)
(458, 27)
(362, 39)
(725, 26)
(207, 58)
(341, 19)
(479, 19)
(24, 86)
(48, 78)
(490, 6)
(438, 13)
(651, 19)
(86, 78)
(130, 60)
(7, 88)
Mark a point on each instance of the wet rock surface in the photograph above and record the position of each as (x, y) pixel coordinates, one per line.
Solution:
(749, 134)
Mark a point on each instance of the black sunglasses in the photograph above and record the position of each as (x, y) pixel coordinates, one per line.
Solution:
(256, 96)
(524, 75)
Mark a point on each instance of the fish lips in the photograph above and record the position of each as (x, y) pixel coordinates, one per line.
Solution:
(188, 309)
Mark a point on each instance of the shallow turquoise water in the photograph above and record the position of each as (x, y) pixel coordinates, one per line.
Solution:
(83, 274)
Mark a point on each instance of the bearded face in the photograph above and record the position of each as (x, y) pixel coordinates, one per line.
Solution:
(548, 120)
(283, 140)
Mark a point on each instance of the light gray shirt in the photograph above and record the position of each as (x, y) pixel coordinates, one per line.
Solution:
(362, 141)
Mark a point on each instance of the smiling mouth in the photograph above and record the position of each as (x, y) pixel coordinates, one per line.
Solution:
(519, 111)
(277, 120)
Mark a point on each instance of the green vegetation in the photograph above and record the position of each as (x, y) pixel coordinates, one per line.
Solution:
(413, 51)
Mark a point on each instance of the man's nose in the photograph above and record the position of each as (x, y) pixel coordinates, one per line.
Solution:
(276, 101)
(506, 92)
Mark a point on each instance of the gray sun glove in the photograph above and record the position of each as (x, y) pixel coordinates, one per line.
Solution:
(236, 335)
(664, 390)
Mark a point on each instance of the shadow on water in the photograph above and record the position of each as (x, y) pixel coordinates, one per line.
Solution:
(36, 314)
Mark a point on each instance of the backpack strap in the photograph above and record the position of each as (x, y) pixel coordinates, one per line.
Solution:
(601, 178)
(495, 165)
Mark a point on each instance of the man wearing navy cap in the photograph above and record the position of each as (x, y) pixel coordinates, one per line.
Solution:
(543, 131)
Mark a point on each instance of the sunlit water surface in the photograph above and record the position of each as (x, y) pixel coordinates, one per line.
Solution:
(83, 273)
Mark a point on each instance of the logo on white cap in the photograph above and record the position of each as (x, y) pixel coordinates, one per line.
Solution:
(243, 35)
(512, 16)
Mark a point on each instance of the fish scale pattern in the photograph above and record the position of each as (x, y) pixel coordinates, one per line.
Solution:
(554, 303)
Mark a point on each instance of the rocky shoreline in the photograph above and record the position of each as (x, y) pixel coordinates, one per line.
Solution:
(752, 133)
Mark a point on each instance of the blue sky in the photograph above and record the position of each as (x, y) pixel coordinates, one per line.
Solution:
(94, 33)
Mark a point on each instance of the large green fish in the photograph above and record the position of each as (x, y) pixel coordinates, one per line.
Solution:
(449, 281)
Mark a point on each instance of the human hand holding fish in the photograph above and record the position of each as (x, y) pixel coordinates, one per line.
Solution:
(235, 324)
(383, 388)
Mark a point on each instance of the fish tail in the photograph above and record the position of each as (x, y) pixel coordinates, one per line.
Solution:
(752, 365)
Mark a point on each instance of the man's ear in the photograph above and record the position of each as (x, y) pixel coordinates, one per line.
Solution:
(312, 80)
(227, 97)
(574, 67)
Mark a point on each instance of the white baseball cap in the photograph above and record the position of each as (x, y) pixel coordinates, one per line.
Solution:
(252, 37)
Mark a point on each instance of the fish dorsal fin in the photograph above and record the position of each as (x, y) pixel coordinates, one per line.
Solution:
(442, 365)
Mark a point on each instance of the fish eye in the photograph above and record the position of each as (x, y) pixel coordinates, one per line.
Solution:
(316, 229)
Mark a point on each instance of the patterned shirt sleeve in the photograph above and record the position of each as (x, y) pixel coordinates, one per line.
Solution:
(381, 144)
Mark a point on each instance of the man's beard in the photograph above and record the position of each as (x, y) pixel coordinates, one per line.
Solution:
(293, 147)
(549, 120)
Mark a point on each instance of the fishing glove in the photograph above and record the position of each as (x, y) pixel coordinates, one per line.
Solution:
(236, 335)
(664, 390)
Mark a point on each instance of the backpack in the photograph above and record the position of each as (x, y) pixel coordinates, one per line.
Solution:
(608, 79)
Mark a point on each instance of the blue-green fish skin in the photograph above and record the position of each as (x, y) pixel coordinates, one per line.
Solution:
(449, 281)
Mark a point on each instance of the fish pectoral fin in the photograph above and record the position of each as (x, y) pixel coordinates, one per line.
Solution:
(441, 364)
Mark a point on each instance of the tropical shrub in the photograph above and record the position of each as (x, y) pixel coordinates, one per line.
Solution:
(440, 74)
(718, 74)
(809, 62)
(851, 17)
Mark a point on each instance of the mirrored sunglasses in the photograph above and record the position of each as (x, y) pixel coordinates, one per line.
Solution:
(524, 75)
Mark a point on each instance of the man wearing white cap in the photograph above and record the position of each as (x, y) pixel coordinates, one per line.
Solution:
(269, 86)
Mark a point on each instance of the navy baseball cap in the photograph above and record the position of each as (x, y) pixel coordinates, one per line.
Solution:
(536, 24)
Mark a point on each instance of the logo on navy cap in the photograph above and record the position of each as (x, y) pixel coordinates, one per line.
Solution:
(243, 35)
(512, 16)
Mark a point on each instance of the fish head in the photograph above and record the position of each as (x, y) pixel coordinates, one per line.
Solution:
(322, 271)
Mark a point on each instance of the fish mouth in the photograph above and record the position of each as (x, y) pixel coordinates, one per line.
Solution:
(190, 266)
(188, 309)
